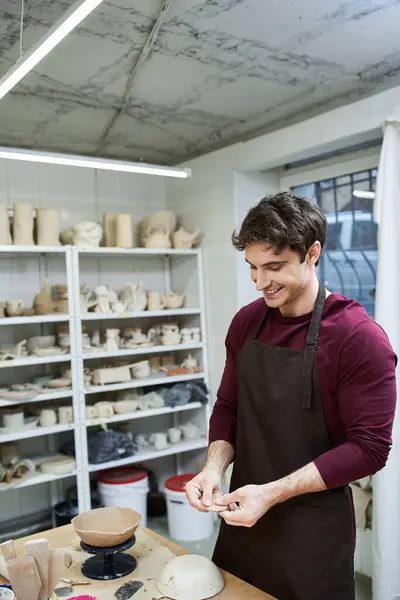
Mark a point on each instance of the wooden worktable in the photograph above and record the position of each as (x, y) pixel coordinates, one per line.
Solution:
(235, 589)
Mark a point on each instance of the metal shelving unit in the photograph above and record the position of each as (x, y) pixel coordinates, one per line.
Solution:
(80, 394)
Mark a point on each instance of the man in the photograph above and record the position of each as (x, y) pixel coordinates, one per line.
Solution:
(305, 406)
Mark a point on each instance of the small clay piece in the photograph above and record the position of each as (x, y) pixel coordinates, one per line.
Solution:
(23, 224)
(63, 592)
(5, 236)
(107, 526)
(124, 231)
(128, 590)
(48, 227)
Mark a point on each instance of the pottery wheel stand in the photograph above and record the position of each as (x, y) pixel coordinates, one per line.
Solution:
(108, 563)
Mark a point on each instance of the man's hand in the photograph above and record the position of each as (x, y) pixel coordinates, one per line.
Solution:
(204, 490)
(247, 504)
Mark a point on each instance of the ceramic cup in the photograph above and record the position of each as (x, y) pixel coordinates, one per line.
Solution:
(155, 301)
(65, 415)
(174, 435)
(48, 417)
(159, 441)
(14, 420)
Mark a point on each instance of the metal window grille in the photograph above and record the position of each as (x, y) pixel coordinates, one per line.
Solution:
(349, 259)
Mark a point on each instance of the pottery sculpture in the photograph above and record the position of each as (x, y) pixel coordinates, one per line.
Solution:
(170, 335)
(157, 239)
(112, 340)
(87, 234)
(191, 577)
(48, 226)
(183, 240)
(124, 231)
(102, 299)
(106, 527)
(43, 302)
(141, 370)
(134, 297)
(111, 375)
(23, 224)
(5, 235)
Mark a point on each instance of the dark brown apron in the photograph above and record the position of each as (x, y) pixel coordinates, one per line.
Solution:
(301, 549)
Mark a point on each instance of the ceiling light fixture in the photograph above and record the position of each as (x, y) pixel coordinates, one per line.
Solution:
(89, 162)
(69, 20)
(364, 194)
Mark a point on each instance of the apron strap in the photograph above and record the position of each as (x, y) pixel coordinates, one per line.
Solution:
(311, 348)
(261, 325)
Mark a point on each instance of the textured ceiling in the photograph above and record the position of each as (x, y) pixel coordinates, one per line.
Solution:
(219, 71)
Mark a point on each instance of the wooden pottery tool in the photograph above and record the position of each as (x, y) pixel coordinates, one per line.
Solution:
(67, 560)
(8, 550)
(72, 583)
(39, 549)
(24, 578)
(56, 569)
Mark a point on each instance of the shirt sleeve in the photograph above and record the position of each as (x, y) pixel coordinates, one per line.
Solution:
(223, 418)
(366, 397)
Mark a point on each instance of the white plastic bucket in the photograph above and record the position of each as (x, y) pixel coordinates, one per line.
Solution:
(126, 487)
(185, 523)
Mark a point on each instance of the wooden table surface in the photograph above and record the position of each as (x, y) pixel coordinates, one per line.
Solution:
(235, 589)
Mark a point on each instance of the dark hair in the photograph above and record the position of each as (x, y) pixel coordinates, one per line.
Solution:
(283, 221)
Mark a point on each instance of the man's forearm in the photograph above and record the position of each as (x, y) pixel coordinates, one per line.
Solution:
(304, 481)
(219, 456)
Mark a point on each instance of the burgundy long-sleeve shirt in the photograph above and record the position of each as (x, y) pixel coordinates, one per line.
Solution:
(356, 370)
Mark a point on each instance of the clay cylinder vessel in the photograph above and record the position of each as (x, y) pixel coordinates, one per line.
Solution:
(124, 231)
(5, 236)
(23, 224)
(48, 227)
(110, 230)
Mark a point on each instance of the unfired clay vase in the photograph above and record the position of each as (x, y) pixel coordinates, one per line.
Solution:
(108, 526)
(191, 577)
(23, 224)
(5, 235)
(124, 231)
(48, 227)
(109, 230)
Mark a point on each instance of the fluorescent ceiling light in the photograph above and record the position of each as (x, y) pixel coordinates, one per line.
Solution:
(70, 19)
(364, 194)
(89, 162)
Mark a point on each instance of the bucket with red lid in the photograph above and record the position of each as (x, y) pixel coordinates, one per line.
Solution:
(185, 523)
(125, 487)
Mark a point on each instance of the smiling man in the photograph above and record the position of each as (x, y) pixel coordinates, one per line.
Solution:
(305, 407)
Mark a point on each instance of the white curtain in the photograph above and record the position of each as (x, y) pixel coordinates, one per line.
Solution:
(386, 498)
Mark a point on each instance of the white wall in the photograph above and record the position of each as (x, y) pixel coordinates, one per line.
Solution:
(80, 194)
(249, 189)
(206, 201)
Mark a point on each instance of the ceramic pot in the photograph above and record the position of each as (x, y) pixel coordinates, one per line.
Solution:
(14, 419)
(65, 415)
(48, 227)
(174, 301)
(104, 409)
(155, 301)
(189, 431)
(141, 370)
(174, 435)
(48, 417)
(124, 231)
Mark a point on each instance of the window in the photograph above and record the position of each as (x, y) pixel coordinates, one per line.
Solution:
(348, 263)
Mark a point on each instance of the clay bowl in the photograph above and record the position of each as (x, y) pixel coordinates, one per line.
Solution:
(108, 526)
